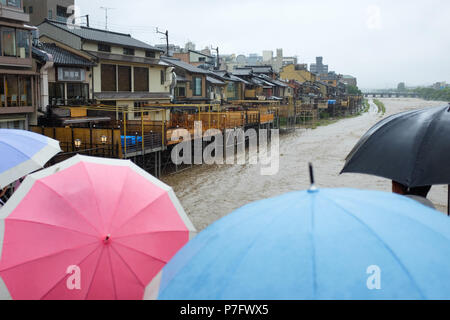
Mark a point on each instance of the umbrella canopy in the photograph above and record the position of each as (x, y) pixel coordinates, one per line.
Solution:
(412, 148)
(88, 228)
(325, 244)
(23, 152)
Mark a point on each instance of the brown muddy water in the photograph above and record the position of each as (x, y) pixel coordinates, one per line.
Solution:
(208, 193)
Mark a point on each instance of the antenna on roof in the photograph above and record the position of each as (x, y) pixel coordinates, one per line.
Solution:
(166, 34)
(106, 15)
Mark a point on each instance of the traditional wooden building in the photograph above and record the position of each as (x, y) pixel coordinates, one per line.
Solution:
(127, 72)
(191, 86)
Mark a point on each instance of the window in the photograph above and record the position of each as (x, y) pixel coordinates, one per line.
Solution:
(12, 3)
(201, 59)
(12, 91)
(2, 92)
(128, 51)
(12, 124)
(61, 12)
(162, 75)
(30, 9)
(9, 42)
(180, 91)
(150, 54)
(141, 79)
(23, 43)
(197, 86)
(50, 14)
(108, 77)
(104, 47)
(124, 78)
(25, 92)
(56, 93)
(77, 91)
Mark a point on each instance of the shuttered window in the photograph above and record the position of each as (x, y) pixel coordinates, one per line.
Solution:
(141, 79)
(108, 74)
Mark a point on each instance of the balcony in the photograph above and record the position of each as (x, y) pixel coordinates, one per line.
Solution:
(13, 10)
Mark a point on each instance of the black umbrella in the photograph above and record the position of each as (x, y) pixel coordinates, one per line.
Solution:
(412, 148)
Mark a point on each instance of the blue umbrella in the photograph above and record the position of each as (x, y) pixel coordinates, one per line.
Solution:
(22, 152)
(318, 244)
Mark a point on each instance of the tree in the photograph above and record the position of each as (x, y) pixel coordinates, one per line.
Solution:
(354, 90)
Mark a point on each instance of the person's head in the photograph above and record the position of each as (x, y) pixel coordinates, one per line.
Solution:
(400, 188)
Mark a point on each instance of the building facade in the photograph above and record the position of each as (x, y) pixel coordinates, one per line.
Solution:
(127, 73)
(19, 76)
(318, 67)
(39, 10)
(298, 72)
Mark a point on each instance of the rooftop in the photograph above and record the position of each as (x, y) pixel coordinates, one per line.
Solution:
(103, 36)
(183, 65)
(64, 57)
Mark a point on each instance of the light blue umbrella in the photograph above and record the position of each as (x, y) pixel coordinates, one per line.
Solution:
(318, 244)
(22, 152)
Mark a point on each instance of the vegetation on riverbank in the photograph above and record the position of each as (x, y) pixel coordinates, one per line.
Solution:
(433, 94)
(380, 106)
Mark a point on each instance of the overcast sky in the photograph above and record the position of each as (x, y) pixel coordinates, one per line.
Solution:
(381, 42)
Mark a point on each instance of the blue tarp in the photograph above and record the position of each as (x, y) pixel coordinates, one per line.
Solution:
(331, 101)
(131, 140)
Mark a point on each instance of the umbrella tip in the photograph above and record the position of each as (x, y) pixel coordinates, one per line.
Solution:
(312, 188)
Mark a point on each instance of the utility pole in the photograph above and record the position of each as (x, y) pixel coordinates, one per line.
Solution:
(218, 60)
(106, 15)
(166, 34)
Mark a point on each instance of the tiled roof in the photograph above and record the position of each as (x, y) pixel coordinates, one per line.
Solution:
(104, 36)
(214, 81)
(64, 57)
(242, 72)
(183, 65)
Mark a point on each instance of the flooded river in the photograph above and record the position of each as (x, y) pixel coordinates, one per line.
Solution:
(210, 192)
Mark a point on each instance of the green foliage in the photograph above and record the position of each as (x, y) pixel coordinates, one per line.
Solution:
(380, 105)
(434, 94)
(353, 90)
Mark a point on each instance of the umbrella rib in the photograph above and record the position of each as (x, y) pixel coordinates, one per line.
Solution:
(141, 252)
(388, 248)
(69, 204)
(139, 212)
(128, 266)
(95, 272)
(53, 226)
(93, 190)
(420, 148)
(119, 197)
(254, 241)
(45, 257)
(59, 281)
(112, 274)
(151, 232)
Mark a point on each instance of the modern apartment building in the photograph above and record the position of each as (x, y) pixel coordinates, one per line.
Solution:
(319, 67)
(39, 10)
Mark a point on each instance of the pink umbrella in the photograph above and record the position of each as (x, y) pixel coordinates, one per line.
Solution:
(88, 228)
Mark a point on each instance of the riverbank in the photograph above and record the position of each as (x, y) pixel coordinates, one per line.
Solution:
(209, 192)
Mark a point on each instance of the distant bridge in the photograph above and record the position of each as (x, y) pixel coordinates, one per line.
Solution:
(390, 95)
